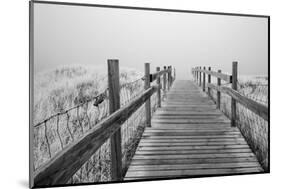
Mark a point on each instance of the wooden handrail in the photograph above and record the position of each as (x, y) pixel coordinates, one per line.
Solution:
(63, 165)
(59, 169)
(259, 109)
(225, 77)
(154, 76)
(252, 105)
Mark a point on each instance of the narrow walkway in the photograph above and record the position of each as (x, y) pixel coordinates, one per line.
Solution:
(190, 137)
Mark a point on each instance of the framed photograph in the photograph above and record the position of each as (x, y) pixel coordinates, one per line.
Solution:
(125, 94)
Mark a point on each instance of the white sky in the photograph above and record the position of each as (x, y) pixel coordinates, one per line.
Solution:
(66, 35)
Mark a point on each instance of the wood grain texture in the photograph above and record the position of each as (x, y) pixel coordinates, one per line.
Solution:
(159, 73)
(252, 105)
(209, 80)
(64, 164)
(204, 80)
(148, 102)
(225, 77)
(218, 92)
(114, 105)
(234, 87)
(159, 88)
(200, 75)
(190, 137)
(164, 80)
(189, 172)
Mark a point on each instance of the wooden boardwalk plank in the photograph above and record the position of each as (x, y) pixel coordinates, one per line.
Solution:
(188, 172)
(193, 161)
(192, 166)
(190, 137)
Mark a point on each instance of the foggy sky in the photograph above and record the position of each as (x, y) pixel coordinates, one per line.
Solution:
(65, 35)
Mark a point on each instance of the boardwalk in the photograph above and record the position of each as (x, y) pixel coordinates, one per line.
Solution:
(190, 137)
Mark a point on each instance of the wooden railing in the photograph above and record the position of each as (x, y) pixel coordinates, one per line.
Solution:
(63, 165)
(259, 109)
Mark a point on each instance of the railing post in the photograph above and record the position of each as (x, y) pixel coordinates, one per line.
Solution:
(168, 87)
(200, 76)
(204, 79)
(159, 88)
(114, 104)
(169, 77)
(196, 75)
(234, 87)
(164, 81)
(218, 92)
(147, 103)
(174, 74)
(209, 81)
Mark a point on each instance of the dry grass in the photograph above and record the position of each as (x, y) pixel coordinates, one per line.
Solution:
(253, 128)
(63, 88)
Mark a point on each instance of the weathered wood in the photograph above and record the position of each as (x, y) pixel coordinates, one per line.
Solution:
(159, 88)
(200, 76)
(204, 80)
(191, 144)
(181, 173)
(201, 134)
(234, 87)
(188, 131)
(225, 77)
(192, 128)
(164, 80)
(194, 121)
(193, 161)
(188, 116)
(173, 75)
(218, 92)
(252, 105)
(147, 103)
(184, 140)
(174, 150)
(64, 164)
(154, 76)
(162, 72)
(209, 81)
(193, 147)
(195, 156)
(191, 141)
(197, 76)
(189, 134)
(114, 105)
(169, 77)
(192, 166)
